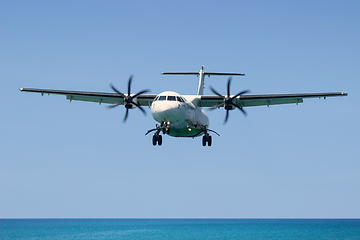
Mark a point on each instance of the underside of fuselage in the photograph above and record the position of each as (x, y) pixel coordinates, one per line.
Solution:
(186, 131)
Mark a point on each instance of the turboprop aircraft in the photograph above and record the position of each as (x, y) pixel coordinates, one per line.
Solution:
(183, 115)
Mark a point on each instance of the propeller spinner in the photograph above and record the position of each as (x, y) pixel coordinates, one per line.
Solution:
(128, 99)
(228, 101)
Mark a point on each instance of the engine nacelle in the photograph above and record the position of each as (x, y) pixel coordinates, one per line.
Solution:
(131, 105)
(229, 107)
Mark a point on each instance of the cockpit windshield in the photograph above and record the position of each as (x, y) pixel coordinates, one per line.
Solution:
(169, 98)
(162, 98)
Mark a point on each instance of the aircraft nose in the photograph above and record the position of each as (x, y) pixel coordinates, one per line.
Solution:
(168, 112)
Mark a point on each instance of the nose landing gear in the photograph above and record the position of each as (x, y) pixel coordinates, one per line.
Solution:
(165, 130)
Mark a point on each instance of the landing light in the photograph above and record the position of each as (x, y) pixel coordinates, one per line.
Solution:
(168, 123)
(189, 129)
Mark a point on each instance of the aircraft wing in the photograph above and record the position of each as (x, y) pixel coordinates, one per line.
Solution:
(98, 97)
(266, 99)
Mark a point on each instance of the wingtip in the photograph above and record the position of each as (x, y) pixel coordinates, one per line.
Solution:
(21, 89)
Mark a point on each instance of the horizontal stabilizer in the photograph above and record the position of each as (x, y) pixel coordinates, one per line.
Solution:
(205, 73)
(227, 74)
(180, 73)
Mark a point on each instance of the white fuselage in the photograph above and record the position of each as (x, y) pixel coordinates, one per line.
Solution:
(179, 114)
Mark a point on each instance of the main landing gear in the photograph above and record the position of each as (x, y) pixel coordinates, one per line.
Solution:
(157, 139)
(206, 139)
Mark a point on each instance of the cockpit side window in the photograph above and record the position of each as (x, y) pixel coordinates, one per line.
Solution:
(157, 97)
(179, 99)
(171, 98)
(162, 98)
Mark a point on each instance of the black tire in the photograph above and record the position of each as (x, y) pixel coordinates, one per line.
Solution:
(204, 141)
(154, 140)
(160, 140)
(209, 141)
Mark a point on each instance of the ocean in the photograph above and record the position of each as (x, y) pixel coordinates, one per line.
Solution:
(179, 228)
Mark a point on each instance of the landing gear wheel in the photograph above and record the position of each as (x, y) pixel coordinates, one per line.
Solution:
(159, 140)
(154, 140)
(206, 139)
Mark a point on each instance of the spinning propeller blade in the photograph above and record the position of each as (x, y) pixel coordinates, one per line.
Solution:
(228, 100)
(128, 99)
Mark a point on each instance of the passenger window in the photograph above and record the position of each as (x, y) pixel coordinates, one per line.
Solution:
(171, 98)
(162, 98)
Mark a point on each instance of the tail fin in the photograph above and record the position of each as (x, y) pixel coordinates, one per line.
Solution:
(202, 75)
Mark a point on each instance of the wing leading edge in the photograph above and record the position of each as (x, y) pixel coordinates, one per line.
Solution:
(266, 99)
(98, 97)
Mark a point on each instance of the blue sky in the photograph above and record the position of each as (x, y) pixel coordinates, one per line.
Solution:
(65, 160)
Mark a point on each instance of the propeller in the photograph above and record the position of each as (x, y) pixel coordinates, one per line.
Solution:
(228, 101)
(128, 99)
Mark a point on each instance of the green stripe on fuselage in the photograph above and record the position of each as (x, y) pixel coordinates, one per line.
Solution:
(184, 132)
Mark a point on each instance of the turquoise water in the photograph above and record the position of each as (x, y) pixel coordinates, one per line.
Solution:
(179, 228)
